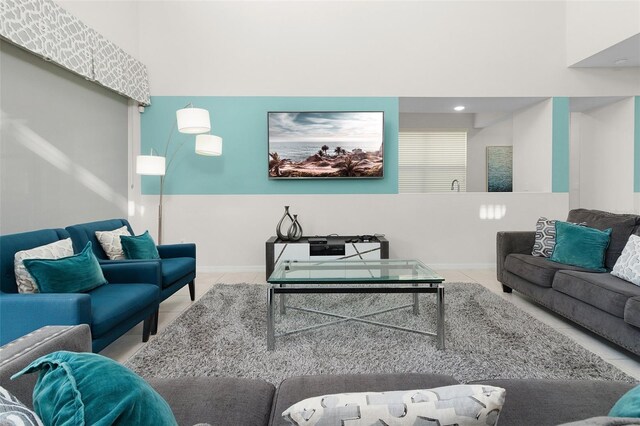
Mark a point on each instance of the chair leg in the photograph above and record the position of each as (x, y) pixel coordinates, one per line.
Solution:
(192, 290)
(154, 326)
(146, 328)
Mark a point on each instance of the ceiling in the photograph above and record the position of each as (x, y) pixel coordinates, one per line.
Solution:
(472, 105)
(620, 55)
(495, 105)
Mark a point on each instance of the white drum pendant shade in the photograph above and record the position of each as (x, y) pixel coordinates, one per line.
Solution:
(193, 120)
(210, 145)
(150, 165)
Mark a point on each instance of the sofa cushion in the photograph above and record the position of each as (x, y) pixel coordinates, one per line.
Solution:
(297, 388)
(627, 266)
(550, 402)
(448, 405)
(86, 388)
(175, 268)
(622, 225)
(113, 303)
(110, 242)
(25, 281)
(74, 274)
(602, 290)
(581, 246)
(537, 270)
(139, 246)
(632, 311)
(217, 400)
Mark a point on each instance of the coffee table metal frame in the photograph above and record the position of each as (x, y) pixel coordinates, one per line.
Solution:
(414, 285)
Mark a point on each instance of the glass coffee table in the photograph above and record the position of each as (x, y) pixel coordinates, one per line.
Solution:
(354, 276)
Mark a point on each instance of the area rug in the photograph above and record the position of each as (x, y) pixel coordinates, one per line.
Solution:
(224, 334)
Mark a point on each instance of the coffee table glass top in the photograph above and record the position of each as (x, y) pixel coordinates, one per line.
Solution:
(394, 271)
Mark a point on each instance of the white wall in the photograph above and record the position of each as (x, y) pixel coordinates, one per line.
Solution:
(532, 148)
(499, 134)
(606, 157)
(116, 20)
(445, 230)
(337, 48)
(363, 48)
(593, 26)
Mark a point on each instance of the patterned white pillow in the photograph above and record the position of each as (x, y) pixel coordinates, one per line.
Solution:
(110, 242)
(458, 404)
(14, 412)
(56, 250)
(627, 266)
(545, 240)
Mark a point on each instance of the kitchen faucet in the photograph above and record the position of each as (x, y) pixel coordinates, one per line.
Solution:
(453, 183)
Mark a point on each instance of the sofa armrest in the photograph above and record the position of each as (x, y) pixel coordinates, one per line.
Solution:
(149, 272)
(177, 250)
(512, 242)
(22, 313)
(19, 353)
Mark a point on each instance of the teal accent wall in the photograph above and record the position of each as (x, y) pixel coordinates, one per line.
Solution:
(242, 168)
(636, 145)
(560, 145)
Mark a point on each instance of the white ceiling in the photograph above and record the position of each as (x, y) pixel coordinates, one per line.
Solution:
(472, 105)
(495, 105)
(627, 50)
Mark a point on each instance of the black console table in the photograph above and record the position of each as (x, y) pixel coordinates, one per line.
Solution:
(333, 247)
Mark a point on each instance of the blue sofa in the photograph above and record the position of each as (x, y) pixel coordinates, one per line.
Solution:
(177, 261)
(132, 295)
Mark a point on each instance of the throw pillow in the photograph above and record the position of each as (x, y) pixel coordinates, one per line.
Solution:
(85, 388)
(458, 404)
(13, 412)
(627, 266)
(110, 242)
(580, 246)
(545, 239)
(55, 250)
(73, 274)
(139, 247)
(628, 405)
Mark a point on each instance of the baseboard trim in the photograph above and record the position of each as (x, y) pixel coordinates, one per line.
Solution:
(261, 268)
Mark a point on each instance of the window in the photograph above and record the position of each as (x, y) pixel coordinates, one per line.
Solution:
(431, 161)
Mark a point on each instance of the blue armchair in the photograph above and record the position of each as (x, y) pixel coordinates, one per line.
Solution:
(131, 296)
(177, 261)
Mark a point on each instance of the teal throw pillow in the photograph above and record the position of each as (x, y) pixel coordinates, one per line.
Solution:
(73, 274)
(628, 405)
(581, 246)
(139, 247)
(90, 389)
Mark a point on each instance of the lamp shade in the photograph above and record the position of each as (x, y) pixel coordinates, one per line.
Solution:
(193, 120)
(150, 165)
(210, 145)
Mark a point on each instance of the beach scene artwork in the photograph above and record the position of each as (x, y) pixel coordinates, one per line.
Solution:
(500, 169)
(326, 144)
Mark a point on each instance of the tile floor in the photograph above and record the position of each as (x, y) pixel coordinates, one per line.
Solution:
(125, 347)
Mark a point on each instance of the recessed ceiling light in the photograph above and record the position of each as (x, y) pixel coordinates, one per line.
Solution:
(620, 61)
(459, 108)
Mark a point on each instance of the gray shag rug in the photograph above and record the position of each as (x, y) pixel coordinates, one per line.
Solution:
(224, 334)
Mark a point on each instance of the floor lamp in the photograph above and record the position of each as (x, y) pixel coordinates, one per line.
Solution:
(189, 120)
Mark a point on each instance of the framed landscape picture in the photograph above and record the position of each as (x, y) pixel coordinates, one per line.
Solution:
(499, 169)
(326, 144)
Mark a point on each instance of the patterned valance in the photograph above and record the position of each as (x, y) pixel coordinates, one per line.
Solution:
(46, 29)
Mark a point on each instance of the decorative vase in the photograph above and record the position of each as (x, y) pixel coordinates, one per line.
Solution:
(295, 230)
(279, 227)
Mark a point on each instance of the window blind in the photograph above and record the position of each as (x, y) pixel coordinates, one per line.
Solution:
(431, 161)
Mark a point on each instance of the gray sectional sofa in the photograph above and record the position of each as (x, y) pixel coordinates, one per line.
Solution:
(598, 301)
(247, 402)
